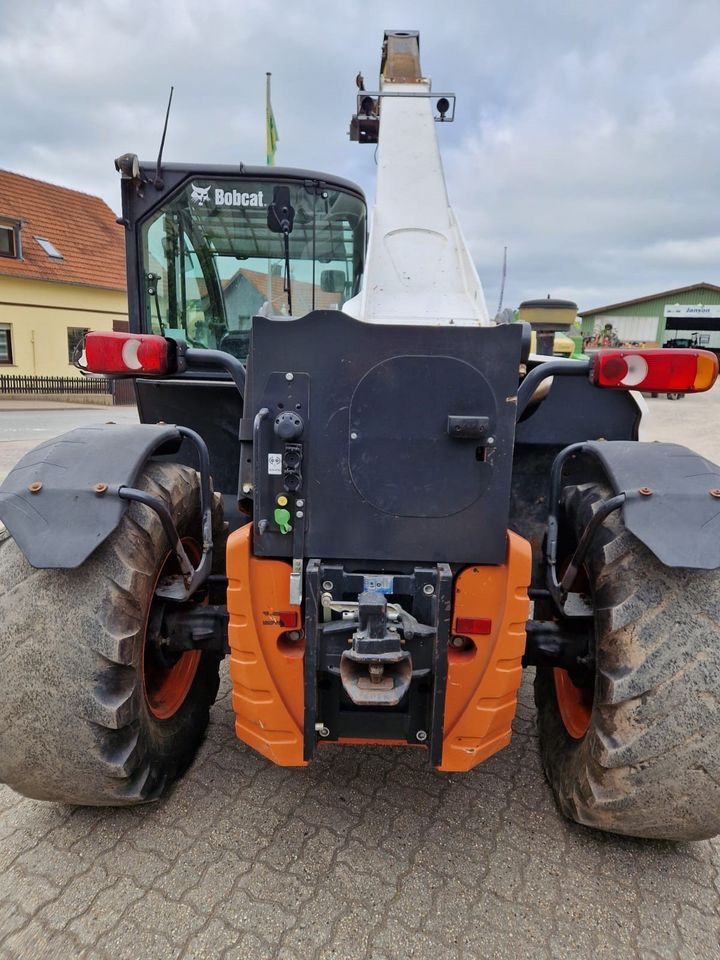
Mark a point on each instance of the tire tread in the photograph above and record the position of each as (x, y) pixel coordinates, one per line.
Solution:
(73, 724)
(649, 765)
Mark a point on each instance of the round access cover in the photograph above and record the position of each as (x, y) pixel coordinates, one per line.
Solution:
(401, 458)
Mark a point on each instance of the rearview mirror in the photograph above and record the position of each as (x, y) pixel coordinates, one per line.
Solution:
(332, 281)
(281, 213)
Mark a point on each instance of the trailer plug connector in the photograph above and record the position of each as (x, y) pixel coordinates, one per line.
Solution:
(282, 519)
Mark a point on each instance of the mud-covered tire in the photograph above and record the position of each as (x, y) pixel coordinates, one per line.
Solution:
(76, 725)
(649, 763)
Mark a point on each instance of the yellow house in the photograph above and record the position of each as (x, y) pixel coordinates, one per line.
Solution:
(62, 272)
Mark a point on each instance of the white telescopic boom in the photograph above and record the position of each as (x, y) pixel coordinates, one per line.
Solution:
(418, 267)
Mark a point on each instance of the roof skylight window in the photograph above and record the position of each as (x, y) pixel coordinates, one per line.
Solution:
(50, 249)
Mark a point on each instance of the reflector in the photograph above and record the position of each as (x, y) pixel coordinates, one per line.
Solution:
(476, 625)
(288, 619)
(674, 370)
(707, 369)
(126, 353)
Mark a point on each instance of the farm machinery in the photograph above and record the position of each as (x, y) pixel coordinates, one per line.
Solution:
(378, 502)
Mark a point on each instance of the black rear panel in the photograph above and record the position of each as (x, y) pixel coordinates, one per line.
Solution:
(382, 470)
(211, 407)
(575, 410)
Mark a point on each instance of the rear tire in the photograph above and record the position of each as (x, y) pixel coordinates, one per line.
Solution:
(649, 763)
(76, 722)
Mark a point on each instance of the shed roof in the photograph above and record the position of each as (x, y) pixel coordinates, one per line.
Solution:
(664, 294)
(81, 227)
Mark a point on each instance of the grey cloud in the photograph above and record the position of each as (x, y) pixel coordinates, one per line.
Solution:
(585, 136)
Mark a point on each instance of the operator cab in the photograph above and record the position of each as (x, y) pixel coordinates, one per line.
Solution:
(218, 251)
(208, 248)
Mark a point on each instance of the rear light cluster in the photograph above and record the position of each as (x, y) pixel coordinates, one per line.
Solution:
(663, 370)
(126, 353)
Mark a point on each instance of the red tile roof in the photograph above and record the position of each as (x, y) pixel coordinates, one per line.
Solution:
(81, 227)
(302, 292)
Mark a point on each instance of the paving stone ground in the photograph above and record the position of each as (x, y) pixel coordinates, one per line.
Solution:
(366, 854)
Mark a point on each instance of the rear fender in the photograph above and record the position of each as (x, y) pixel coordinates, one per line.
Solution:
(55, 501)
(672, 500)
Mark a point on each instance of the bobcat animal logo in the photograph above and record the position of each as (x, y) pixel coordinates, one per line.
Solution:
(200, 195)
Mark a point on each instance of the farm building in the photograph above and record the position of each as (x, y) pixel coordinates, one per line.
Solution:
(686, 313)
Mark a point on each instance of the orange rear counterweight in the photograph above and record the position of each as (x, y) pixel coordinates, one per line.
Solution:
(266, 667)
(482, 684)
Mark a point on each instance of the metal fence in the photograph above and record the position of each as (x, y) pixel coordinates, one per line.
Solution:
(121, 391)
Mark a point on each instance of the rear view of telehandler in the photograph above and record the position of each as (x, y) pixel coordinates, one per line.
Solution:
(398, 484)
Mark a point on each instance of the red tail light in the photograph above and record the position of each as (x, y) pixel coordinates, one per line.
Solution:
(126, 353)
(671, 370)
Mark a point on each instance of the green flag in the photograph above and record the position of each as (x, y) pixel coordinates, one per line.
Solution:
(271, 134)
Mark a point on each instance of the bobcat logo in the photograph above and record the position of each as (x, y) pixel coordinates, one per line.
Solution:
(200, 195)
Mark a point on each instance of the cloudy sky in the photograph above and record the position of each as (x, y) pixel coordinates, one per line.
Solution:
(587, 135)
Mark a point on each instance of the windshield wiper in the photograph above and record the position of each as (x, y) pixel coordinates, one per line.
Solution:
(280, 219)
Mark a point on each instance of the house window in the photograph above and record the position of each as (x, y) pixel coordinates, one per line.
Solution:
(75, 337)
(50, 249)
(8, 247)
(6, 356)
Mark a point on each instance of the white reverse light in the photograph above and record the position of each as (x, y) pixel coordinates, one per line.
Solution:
(130, 354)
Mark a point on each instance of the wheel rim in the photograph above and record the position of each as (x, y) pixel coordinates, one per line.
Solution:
(574, 703)
(167, 684)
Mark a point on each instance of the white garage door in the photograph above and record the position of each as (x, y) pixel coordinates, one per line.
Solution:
(642, 329)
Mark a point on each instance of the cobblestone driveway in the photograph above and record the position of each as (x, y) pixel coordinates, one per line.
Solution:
(366, 854)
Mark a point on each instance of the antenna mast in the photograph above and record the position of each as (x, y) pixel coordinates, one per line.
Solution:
(158, 182)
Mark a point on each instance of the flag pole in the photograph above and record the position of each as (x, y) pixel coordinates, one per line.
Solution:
(269, 159)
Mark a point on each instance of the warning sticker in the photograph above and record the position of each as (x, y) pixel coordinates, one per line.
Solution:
(378, 583)
(274, 464)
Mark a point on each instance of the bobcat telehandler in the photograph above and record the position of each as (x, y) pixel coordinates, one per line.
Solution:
(398, 483)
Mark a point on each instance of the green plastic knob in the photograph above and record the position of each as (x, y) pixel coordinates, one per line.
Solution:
(282, 519)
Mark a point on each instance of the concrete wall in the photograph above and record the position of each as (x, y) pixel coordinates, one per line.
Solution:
(85, 399)
(40, 313)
